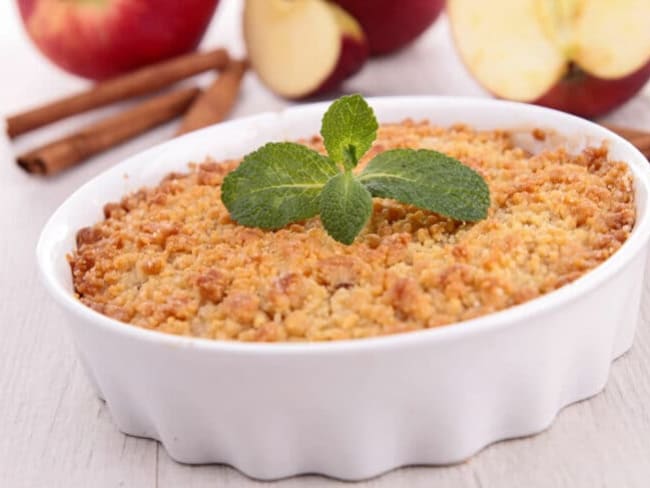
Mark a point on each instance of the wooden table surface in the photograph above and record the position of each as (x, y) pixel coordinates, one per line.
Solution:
(55, 433)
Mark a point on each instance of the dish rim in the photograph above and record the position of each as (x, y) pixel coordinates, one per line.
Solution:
(455, 331)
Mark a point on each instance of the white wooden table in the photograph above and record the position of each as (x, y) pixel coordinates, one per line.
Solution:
(55, 433)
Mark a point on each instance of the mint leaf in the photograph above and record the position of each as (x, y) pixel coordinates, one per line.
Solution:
(349, 128)
(278, 184)
(429, 180)
(345, 207)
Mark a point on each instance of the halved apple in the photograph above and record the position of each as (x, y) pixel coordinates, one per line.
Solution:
(582, 56)
(301, 48)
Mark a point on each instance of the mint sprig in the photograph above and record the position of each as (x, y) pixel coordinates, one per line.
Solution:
(286, 182)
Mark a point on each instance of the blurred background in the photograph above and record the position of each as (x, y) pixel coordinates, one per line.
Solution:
(383, 47)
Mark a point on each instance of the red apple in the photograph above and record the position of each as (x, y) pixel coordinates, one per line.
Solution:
(301, 48)
(392, 24)
(98, 39)
(581, 56)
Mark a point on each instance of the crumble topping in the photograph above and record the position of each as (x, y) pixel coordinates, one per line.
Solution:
(169, 258)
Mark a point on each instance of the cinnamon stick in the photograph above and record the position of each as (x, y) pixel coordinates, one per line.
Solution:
(66, 152)
(216, 102)
(144, 80)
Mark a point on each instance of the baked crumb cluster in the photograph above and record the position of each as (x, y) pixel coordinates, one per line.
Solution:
(170, 258)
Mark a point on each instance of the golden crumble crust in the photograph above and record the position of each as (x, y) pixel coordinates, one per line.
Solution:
(169, 258)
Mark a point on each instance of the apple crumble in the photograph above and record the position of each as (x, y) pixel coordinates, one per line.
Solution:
(169, 258)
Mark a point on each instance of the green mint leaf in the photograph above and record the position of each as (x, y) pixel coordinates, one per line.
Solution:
(429, 180)
(345, 207)
(278, 184)
(349, 128)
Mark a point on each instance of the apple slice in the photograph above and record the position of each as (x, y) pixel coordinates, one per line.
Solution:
(581, 56)
(301, 48)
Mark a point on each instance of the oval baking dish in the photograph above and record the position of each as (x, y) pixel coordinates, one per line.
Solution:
(354, 409)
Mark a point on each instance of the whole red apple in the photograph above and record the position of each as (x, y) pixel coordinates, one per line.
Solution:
(98, 39)
(390, 25)
(586, 57)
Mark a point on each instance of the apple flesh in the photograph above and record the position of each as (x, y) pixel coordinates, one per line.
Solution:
(301, 48)
(390, 25)
(99, 39)
(582, 56)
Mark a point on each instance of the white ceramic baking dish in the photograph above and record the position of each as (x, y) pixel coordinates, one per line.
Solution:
(353, 409)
